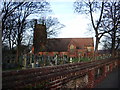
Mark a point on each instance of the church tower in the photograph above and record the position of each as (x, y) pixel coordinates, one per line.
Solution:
(40, 37)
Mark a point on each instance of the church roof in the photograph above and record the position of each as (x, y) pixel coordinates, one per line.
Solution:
(61, 44)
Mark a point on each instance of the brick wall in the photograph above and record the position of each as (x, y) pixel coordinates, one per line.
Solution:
(62, 76)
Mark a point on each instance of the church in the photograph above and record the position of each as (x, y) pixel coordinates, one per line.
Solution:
(71, 47)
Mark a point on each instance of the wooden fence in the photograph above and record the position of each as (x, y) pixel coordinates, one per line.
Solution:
(75, 75)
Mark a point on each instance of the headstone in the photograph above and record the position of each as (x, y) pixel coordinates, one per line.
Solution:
(33, 65)
(56, 60)
(30, 58)
(70, 60)
(37, 64)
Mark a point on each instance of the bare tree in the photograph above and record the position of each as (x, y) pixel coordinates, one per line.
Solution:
(7, 10)
(90, 8)
(52, 26)
(111, 22)
(14, 20)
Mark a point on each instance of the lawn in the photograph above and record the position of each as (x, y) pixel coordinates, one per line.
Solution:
(84, 59)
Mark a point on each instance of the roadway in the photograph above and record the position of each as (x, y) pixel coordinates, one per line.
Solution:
(111, 81)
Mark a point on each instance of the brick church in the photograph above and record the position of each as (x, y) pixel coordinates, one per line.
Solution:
(72, 47)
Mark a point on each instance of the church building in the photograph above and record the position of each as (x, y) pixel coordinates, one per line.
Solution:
(72, 47)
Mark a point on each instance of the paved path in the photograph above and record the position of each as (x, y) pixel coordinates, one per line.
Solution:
(111, 81)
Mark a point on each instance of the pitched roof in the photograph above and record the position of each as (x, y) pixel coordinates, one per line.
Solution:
(61, 44)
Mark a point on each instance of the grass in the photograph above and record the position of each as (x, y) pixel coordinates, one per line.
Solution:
(9, 69)
(84, 59)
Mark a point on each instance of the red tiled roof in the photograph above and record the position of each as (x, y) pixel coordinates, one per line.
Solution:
(61, 44)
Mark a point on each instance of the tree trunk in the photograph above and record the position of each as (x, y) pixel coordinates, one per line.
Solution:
(18, 52)
(96, 46)
(113, 43)
(17, 55)
(114, 36)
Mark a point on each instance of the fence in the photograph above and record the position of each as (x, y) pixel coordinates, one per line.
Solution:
(75, 75)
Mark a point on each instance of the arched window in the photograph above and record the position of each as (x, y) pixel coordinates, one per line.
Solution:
(72, 48)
